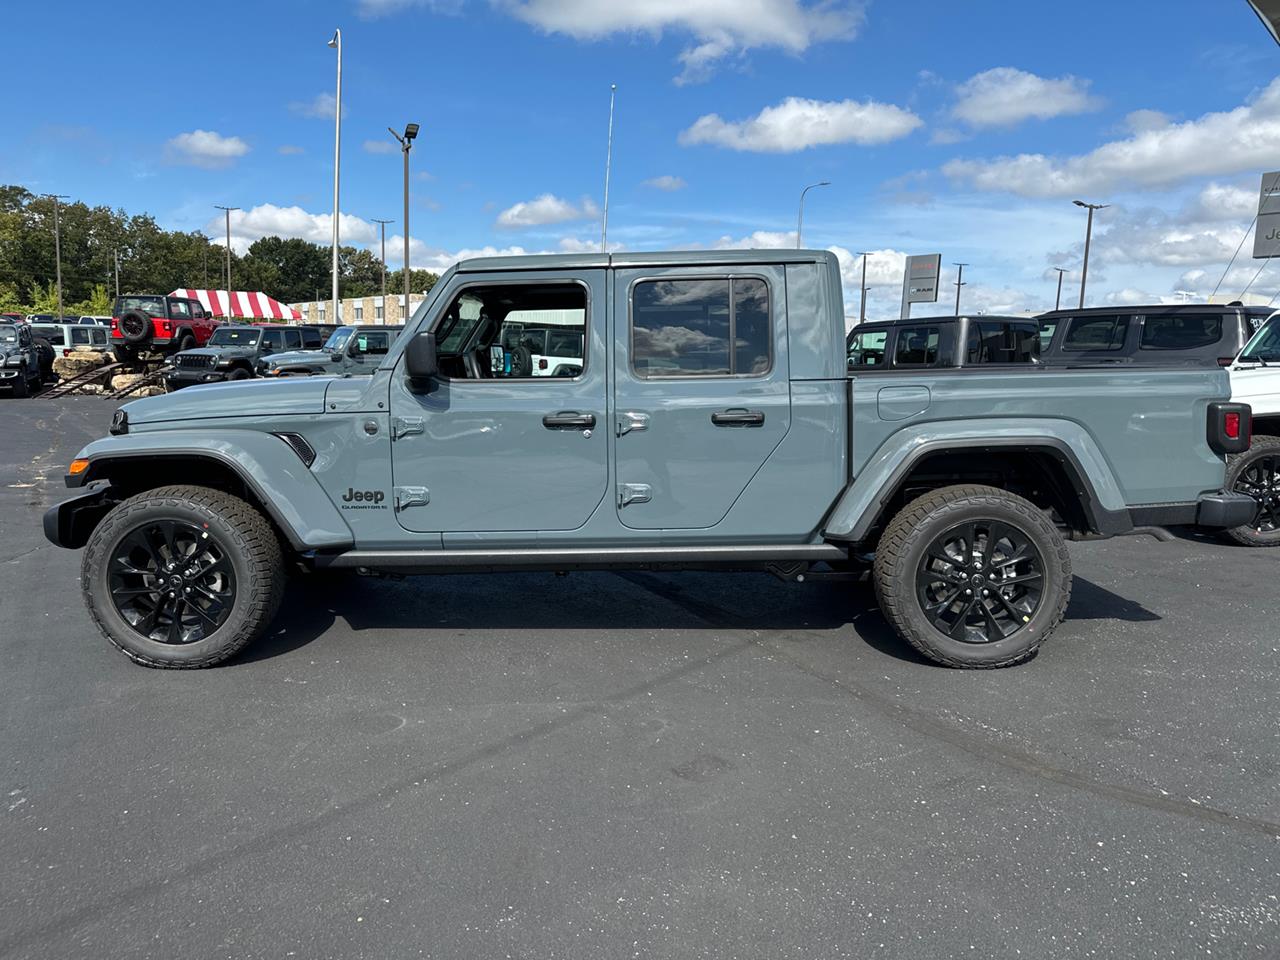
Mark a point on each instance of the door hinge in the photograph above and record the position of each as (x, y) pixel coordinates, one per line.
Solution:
(406, 427)
(407, 497)
(629, 493)
(630, 421)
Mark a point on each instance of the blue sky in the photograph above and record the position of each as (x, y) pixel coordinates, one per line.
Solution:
(964, 129)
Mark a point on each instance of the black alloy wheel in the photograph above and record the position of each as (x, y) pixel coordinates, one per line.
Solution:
(981, 581)
(171, 582)
(1256, 474)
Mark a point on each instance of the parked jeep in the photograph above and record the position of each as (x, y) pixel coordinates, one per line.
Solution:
(236, 352)
(1197, 335)
(145, 323)
(942, 342)
(1255, 380)
(349, 350)
(712, 425)
(20, 367)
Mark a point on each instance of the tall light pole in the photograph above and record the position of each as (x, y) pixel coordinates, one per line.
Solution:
(1057, 301)
(800, 215)
(228, 212)
(959, 283)
(336, 43)
(1088, 236)
(862, 304)
(406, 144)
(57, 246)
(608, 163)
(115, 255)
(384, 265)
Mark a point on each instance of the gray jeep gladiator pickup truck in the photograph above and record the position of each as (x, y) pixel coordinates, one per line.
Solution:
(708, 423)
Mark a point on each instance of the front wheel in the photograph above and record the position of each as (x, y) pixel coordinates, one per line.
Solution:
(1256, 473)
(22, 386)
(182, 577)
(972, 576)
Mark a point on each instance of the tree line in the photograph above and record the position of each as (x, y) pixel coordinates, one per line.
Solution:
(155, 260)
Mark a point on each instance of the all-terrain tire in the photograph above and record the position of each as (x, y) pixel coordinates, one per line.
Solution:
(902, 551)
(186, 342)
(1262, 448)
(22, 385)
(238, 529)
(240, 373)
(135, 327)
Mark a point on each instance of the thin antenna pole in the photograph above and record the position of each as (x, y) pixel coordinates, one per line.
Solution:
(608, 163)
(384, 265)
(336, 43)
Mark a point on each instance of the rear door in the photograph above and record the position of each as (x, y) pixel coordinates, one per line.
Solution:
(701, 388)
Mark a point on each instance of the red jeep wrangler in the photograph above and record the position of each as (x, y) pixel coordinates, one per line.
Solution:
(155, 324)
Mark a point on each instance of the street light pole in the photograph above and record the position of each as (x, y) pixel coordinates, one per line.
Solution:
(800, 215)
(1088, 236)
(959, 283)
(336, 43)
(1057, 301)
(228, 212)
(406, 144)
(384, 265)
(57, 246)
(608, 164)
(115, 255)
(862, 305)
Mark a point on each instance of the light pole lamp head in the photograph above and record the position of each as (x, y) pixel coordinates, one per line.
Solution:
(336, 39)
(1079, 203)
(410, 131)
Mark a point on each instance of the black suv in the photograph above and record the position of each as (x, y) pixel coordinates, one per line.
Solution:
(19, 359)
(237, 352)
(942, 342)
(1198, 335)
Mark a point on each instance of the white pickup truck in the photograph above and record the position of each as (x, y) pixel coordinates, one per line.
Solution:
(1255, 380)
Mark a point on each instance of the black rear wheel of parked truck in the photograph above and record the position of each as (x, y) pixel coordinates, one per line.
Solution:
(182, 577)
(1256, 474)
(972, 576)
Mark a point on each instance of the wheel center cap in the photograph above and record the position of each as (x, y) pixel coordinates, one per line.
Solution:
(175, 581)
(977, 579)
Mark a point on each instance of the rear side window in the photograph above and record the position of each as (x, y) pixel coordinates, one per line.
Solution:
(292, 339)
(1182, 331)
(80, 335)
(1002, 343)
(179, 309)
(866, 348)
(1105, 332)
(700, 328)
(311, 339)
(917, 346)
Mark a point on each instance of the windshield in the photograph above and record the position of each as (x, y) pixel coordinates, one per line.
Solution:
(8, 335)
(1265, 345)
(338, 339)
(230, 336)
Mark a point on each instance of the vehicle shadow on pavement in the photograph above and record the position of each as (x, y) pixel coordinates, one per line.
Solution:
(1092, 602)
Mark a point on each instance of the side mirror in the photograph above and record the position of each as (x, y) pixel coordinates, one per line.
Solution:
(420, 358)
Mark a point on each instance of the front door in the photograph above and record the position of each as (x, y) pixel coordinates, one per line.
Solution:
(702, 393)
(510, 438)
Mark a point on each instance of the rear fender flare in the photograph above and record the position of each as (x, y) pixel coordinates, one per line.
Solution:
(867, 496)
(281, 482)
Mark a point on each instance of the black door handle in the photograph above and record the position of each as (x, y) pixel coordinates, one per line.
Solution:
(568, 420)
(738, 418)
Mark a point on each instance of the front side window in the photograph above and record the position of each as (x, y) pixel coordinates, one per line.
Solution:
(917, 346)
(292, 339)
(1264, 347)
(1104, 332)
(374, 343)
(866, 348)
(272, 341)
(514, 331)
(700, 328)
(991, 342)
(1181, 331)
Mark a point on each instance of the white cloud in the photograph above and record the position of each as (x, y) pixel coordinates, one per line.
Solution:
(268, 220)
(1005, 96)
(758, 240)
(719, 27)
(1216, 144)
(205, 148)
(797, 124)
(319, 107)
(667, 183)
(544, 210)
(289, 150)
(380, 146)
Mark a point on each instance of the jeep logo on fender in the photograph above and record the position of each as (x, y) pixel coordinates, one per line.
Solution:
(370, 497)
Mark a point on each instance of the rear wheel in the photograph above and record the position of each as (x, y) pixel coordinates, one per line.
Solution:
(1256, 473)
(186, 342)
(182, 577)
(972, 576)
(239, 373)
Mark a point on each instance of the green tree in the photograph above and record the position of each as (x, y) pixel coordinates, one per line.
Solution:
(420, 281)
(98, 304)
(43, 298)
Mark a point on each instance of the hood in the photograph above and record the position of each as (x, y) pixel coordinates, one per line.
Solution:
(300, 356)
(244, 398)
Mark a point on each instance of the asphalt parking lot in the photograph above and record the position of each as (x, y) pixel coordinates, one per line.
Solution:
(647, 765)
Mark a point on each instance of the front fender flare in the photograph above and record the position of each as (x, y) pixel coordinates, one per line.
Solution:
(281, 482)
(867, 496)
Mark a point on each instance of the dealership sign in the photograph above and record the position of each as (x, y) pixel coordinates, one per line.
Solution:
(1266, 238)
(920, 282)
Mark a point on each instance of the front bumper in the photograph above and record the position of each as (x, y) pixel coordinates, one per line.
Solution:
(1223, 511)
(70, 523)
(178, 378)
